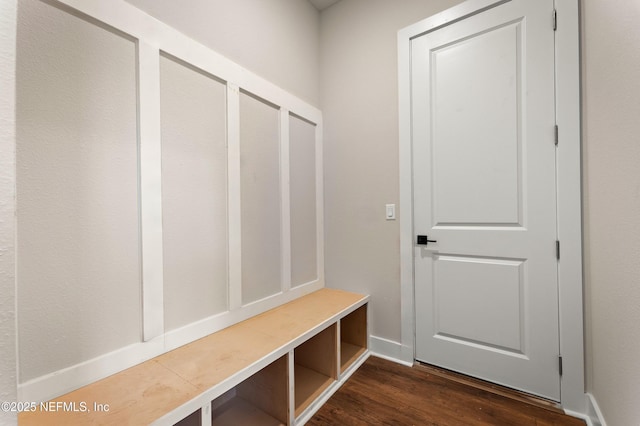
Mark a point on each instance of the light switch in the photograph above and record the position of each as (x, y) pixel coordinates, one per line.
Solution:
(391, 212)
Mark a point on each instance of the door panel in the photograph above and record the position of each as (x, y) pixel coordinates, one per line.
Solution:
(472, 184)
(479, 301)
(483, 119)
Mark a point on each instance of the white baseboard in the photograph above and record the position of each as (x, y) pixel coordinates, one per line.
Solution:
(389, 350)
(588, 420)
(68, 379)
(592, 416)
(52, 385)
(593, 411)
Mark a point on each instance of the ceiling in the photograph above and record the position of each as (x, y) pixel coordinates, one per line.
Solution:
(322, 4)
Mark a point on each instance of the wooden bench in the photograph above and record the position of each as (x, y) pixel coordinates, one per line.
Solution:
(275, 368)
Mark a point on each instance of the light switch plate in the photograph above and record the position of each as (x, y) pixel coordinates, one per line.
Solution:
(391, 212)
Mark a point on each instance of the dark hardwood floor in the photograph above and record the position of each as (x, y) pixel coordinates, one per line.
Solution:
(385, 393)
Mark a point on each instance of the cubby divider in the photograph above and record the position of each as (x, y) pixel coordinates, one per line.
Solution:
(315, 367)
(353, 337)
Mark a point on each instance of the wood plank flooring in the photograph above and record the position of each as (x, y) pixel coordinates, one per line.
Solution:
(385, 393)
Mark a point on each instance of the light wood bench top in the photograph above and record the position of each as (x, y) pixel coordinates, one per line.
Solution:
(148, 391)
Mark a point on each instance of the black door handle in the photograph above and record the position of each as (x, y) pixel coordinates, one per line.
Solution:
(423, 240)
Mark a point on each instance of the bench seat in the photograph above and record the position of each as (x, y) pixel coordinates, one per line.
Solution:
(170, 387)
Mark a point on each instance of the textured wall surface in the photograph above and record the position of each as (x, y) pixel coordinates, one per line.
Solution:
(611, 155)
(276, 39)
(194, 193)
(77, 172)
(260, 199)
(77, 186)
(8, 379)
(302, 178)
(359, 89)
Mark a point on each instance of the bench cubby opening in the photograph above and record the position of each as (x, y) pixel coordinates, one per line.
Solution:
(315, 367)
(273, 369)
(261, 400)
(195, 419)
(353, 337)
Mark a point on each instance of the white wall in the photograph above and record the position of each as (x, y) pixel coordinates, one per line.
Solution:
(194, 193)
(260, 199)
(611, 161)
(302, 173)
(77, 191)
(8, 371)
(276, 39)
(360, 104)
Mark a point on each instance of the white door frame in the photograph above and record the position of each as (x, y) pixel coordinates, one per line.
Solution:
(567, 43)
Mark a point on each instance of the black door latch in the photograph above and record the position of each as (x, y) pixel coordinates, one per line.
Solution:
(423, 240)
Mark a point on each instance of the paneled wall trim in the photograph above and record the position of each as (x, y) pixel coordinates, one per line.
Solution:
(297, 205)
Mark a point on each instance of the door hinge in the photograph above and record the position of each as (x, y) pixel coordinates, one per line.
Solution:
(560, 365)
(555, 19)
(556, 134)
(558, 249)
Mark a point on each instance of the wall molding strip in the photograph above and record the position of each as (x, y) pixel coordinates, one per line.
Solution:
(153, 39)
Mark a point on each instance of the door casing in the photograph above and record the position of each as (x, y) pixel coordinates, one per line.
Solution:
(571, 316)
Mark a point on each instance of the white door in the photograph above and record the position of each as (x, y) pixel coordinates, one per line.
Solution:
(484, 173)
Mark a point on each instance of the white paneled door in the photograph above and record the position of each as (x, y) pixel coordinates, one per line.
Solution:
(483, 120)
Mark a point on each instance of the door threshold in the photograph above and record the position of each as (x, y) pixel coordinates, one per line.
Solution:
(493, 388)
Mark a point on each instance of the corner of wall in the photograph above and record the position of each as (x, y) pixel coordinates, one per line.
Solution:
(8, 367)
(593, 411)
(610, 181)
(390, 350)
